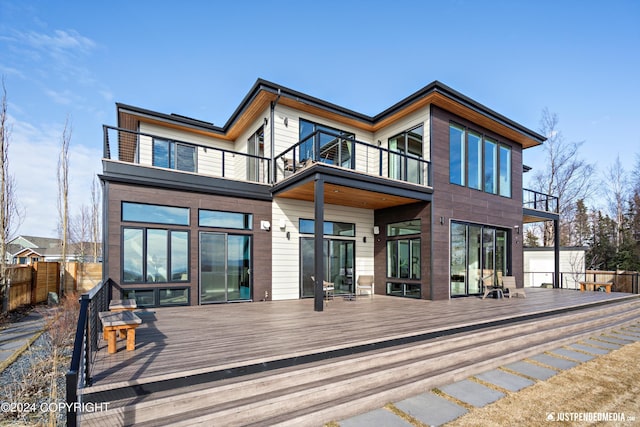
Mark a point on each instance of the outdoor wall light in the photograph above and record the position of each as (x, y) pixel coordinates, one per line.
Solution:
(364, 239)
(376, 229)
(286, 122)
(282, 224)
(266, 121)
(517, 228)
(265, 225)
(441, 220)
(288, 235)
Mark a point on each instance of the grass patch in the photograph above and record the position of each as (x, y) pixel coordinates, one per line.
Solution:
(609, 383)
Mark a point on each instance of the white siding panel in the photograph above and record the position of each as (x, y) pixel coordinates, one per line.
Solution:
(145, 150)
(285, 253)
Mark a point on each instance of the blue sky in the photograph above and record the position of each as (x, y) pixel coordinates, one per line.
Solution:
(579, 59)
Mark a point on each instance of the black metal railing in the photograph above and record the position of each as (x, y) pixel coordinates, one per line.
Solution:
(539, 201)
(85, 346)
(137, 147)
(346, 152)
(623, 282)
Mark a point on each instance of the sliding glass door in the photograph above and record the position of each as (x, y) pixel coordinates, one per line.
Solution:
(477, 252)
(225, 261)
(338, 261)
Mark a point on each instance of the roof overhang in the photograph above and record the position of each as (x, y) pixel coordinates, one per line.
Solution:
(263, 93)
(345, 188)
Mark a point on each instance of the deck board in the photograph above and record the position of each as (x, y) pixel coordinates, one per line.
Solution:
(179, 341)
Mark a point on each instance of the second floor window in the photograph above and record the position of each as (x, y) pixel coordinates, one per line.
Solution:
(173, 155)
(406, 165)
(334, 144)
(479, 162)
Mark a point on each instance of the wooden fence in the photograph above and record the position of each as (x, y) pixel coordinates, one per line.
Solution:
(624, 281)
(31, 284)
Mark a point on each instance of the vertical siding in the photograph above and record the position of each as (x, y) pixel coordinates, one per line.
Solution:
(456, 203)
(286, 256)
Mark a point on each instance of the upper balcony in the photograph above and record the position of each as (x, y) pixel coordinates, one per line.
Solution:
(346, 152)
(187, 157)
(539, 206)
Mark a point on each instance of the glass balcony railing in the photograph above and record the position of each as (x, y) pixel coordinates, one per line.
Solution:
(346, 152)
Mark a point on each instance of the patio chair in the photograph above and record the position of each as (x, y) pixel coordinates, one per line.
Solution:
(365, 282)
(327, 287)
(490, 287)
(509, 284)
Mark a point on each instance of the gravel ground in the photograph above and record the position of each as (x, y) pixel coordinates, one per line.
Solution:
(27, 385)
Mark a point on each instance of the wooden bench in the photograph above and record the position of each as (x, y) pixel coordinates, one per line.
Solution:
(122, 304)
(595, 286)
(114, 321)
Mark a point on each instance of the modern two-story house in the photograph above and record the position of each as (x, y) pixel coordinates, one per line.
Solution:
(426, 196)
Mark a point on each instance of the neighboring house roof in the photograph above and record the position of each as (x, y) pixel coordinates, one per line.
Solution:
(47, 247)
(264, 92)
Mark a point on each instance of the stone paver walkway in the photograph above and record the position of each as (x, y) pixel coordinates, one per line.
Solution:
(435, 408)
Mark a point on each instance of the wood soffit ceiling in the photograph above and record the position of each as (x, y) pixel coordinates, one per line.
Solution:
(262, 100)
(346, 196)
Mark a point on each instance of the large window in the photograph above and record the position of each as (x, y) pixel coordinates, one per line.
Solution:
(151, 255)
(404, 258)
(157, 214)
(457, 155)
(174, 155)
(479, 162)
(405, 156)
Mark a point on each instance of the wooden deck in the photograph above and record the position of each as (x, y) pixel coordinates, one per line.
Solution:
(180, 342)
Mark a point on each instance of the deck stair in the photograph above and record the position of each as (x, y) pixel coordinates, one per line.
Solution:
(338, 387)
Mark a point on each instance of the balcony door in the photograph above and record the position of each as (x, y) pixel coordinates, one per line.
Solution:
(255, 147)
(225, 273)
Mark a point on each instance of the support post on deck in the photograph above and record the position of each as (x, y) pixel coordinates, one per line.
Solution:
(556, 253)
(318, 290)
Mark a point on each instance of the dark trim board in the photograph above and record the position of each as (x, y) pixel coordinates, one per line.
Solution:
(166, 179)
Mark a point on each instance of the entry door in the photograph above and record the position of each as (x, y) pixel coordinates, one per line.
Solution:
(338, 260)
(225, 261)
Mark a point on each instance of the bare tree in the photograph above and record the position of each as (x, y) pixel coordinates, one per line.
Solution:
(63, 196)
(616, 195)
(80, 232)
(10, 213)
(95, 217)
(566, 175)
